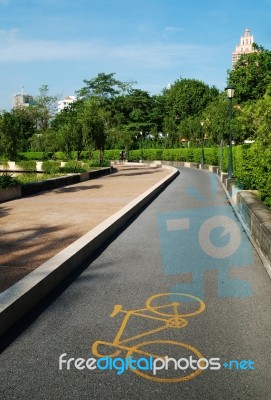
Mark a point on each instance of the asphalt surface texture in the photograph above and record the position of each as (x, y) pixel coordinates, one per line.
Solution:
(181, 281)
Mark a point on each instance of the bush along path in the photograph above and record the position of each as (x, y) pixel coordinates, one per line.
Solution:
(252, 162)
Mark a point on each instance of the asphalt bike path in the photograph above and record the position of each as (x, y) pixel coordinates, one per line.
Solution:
(181, 281)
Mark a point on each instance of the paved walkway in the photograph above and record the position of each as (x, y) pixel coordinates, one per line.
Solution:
(158, 253)
(34, 229)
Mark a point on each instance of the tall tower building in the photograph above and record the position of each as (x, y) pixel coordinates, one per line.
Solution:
(245, 46)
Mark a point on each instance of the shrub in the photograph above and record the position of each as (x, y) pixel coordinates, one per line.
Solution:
(4, 163)
(134, 155)
(108, 154)
(74, 167)
(197, 155)
(35, 155)
(7, 180)
(96, 163)
(51, 167)
(211, 156)
(59, 155)
(29, 178)
(27, 165)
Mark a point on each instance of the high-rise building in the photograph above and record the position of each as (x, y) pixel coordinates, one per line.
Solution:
(245, 46)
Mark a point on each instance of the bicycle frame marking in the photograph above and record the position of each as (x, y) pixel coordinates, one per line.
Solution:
(174, 319)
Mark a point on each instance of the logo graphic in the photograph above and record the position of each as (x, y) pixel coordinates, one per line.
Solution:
(205, 238)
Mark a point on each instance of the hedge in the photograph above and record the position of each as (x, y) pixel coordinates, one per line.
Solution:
(51, 167)
(211, 155)
(252, 163)
(28, 165)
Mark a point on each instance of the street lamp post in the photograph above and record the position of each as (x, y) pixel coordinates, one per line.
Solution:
(230, 94)
(221, 155)
(202, 144)
(141, 136)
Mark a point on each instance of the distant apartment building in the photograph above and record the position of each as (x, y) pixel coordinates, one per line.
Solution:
(61, 104)
(21, 100)
(245, 46)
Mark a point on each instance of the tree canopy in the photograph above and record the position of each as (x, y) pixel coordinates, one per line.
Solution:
(110, 113)
(251, 75)
(104, 85)
(187, 97)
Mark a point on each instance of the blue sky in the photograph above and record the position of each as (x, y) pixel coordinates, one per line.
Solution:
(152, 42)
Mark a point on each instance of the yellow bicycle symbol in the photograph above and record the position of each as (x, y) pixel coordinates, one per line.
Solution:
(169, 310)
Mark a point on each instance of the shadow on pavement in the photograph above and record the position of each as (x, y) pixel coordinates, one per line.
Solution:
(77, 188)
(4, 211)
(120, 173)
(20, 246)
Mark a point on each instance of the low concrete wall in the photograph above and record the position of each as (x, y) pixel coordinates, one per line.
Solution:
(49, 184)
(13, 192)
(10, 166)
(29, 189)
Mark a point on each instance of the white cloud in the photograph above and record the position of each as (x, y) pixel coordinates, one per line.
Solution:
(173, 29)
(160, 55)
(14, 50)
(138, 55)
(8, 34)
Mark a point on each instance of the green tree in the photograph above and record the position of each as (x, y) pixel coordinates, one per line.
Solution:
(103, 85)
(26, 126)
(42, 112)
(191, 129)
(170, 132)
(44, 108)
(134, 114)
(94, 119)
(255, 119)
(106, 90)
(187, 97)
(69, 127)
(215, 120)
(81, 126)
(251, 75)
(9, 135)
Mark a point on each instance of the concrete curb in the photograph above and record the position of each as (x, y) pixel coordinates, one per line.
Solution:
(20, 298)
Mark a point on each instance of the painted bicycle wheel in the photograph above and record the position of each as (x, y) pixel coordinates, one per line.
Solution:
(175, 304)
(166, 348)
(102, 344)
